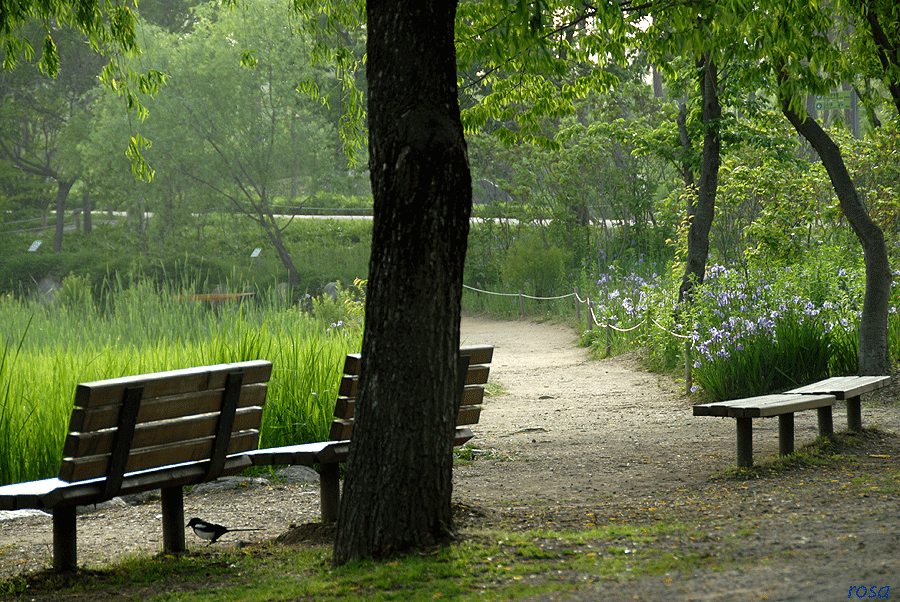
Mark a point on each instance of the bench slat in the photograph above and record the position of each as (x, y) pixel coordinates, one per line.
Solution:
(476, 375)
(342, 428)
(844, 387)
(472, 395)
(159, 433)
(47, 493)
(174, 382)
(305, 454)
(164, 408)
(764, 405)
(345, 407)
(478, 354)
(74, 469)
(333, 451)
(468, 415)
(170, 476)
(349, 386)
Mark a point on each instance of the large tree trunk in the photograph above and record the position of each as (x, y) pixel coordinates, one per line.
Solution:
(266, 219)
(687, 149)
(62, 194)
(397, 483)
(702, 212)
(874, 354)
(86, 209)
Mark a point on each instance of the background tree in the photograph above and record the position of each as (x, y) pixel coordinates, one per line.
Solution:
(37, 130)
(803, 56)
(876, 29)
(254, 143)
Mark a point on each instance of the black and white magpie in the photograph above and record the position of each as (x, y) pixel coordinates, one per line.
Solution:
(210, 531)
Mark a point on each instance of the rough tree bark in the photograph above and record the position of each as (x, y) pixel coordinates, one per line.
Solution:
(63, 186)
(687, 149)
(874, 355)
(397, 482)
(87, 210)
(702, 211)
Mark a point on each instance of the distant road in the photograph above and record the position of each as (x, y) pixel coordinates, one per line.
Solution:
(98, 218)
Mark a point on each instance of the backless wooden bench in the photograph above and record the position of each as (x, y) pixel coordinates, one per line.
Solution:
(783, 406)
(848, 388)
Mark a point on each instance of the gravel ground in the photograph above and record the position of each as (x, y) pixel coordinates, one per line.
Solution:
(571, 443)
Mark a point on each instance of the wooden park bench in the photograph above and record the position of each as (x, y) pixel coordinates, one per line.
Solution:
(820, 396)
(151, 431)
(848, 388)
(329, 455)
(764, 406)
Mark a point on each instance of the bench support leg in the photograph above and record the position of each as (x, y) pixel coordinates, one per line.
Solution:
(786, 434)
(330, 491)
(744, 442)
(826, 424)
(65, 539)
(172, 501)
(854, 414)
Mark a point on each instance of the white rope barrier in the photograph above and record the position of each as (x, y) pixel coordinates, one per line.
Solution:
(478, 290)
(666, 330)
(548, 298)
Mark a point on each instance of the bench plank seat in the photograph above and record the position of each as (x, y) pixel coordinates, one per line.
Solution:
(330, 454)
(843, 387)
(764, 406)
(160, 431)
(849, 388)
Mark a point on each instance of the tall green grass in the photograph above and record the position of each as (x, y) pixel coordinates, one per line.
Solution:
(137, 327)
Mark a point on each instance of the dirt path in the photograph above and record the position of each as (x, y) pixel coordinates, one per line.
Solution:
(595, 428)
(605, 442)
(572, 443)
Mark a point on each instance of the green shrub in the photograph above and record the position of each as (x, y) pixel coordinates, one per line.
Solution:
(534, 267)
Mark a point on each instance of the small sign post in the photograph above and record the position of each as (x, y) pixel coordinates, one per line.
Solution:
(35, 246)
(836, 101)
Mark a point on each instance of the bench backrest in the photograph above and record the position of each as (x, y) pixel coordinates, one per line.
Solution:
(152, 421)
(469, 410)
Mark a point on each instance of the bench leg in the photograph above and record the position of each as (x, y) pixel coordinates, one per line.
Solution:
(744, 442)
(854, 414)
(172, 501)
(330, 491)
(826, 424)
(786, 434)
(65, 539)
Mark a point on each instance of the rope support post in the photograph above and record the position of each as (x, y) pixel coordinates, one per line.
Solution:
(688, 367)
(608, 338)
(577, 307)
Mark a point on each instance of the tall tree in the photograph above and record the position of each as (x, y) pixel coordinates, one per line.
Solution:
(874, 351)
(37, 113)
(397, 488)
(253, 141)
(702, 204)
(803, 50)
(880, 22)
